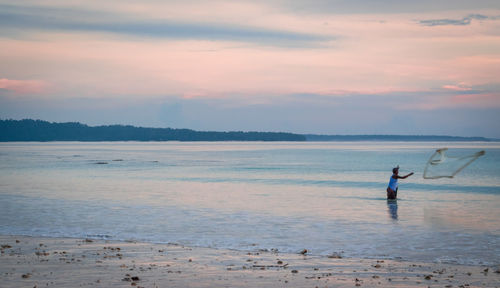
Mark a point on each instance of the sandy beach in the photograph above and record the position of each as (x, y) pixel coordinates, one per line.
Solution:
(65, 262)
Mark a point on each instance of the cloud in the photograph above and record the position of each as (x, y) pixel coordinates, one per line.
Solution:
(458, 22)
(66, 19)
(457, 87)
(23, 86)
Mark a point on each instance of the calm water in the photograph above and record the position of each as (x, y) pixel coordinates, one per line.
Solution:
(325, 197)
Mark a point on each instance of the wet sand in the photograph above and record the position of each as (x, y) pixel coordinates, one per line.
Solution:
(62, 262)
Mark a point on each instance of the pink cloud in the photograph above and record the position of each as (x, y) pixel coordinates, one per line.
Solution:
(24, 86)
(459, 87)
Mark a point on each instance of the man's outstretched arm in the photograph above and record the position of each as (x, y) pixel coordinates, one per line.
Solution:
(406, 176)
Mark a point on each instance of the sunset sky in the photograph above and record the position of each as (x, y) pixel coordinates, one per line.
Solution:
(324, 67)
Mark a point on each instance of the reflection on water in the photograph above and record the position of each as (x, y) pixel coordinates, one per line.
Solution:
(392, 205)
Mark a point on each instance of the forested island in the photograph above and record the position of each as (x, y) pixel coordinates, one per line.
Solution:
(38, 130)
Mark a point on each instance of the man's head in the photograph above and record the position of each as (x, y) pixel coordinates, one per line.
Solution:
(395, 170)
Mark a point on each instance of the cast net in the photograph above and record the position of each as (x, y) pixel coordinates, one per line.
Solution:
(441, 165)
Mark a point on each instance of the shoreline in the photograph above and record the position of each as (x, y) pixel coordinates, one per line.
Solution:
(27, 261)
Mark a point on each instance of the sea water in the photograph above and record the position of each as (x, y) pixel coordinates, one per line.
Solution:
(325, 197)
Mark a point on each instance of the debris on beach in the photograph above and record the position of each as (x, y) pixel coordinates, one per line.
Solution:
(303, 252)
(112, 248)
(263, 267)
(129, 278)
(439, 271)
(335, 256)
(26, 276)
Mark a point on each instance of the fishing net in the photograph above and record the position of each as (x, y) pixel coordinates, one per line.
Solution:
(441, 165)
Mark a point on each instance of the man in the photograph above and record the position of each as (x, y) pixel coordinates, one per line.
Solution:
(392, 190)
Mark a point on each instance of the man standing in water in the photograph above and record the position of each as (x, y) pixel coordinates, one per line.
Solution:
(392, 190)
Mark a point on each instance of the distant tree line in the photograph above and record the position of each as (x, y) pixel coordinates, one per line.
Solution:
(38, 130)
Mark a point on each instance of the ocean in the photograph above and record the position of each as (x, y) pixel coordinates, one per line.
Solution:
(326, 197)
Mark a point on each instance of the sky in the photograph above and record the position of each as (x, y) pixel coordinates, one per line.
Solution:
(320, 67)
